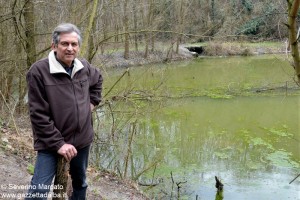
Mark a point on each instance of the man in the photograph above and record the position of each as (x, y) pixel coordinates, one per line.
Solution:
(62, 92)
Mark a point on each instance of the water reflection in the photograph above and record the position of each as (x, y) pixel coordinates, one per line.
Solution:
(255, 154)
(219, 195)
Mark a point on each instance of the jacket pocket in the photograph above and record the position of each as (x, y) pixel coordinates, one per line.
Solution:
(83, 90)
(84, 85)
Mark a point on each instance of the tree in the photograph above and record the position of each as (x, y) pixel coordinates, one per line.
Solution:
(87, 47)
(148, 24)
(181, 14)
(126, 29)
(293, 6)
(29, 21)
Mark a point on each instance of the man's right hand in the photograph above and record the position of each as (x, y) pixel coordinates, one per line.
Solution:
(68, 151)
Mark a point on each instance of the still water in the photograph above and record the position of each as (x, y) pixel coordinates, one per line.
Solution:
(179, 125)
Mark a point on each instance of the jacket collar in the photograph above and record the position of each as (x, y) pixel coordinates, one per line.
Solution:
(56, 67)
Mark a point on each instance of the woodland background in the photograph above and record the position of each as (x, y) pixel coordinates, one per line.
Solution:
(125, 26)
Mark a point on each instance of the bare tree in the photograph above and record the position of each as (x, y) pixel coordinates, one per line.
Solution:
(293, 6)
(149, 18)
(181, 15)
(87, 45)
(126, 28)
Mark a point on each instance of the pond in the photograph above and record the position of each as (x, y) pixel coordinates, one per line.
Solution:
(174, 127)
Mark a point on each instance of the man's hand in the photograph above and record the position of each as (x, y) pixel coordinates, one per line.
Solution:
(68, 151)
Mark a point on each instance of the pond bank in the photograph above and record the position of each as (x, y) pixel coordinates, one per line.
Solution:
(189, 51)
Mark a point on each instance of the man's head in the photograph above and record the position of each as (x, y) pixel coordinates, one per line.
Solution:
(66, 40)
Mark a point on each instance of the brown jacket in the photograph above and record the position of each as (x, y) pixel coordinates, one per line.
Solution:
(59, 104)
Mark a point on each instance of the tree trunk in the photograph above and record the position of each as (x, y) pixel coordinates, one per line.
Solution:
(28, 43)
(293, 6)
(29, 32)
(87, 36)
(180, 28)
(148, 23)
(126, 29)
(90, 50)
(135, 20)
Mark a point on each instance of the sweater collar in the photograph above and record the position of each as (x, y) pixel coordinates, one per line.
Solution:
(56, 67)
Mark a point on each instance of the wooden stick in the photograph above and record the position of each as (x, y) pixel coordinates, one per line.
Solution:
(294, 178)
(61, 179)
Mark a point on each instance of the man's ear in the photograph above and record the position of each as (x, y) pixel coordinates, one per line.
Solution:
(53, 47)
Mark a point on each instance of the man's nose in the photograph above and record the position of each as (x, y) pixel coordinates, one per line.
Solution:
(70, 47)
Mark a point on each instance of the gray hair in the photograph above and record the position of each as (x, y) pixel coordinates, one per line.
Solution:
(65, 28)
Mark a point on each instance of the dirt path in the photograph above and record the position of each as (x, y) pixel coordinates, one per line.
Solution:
(13, 176)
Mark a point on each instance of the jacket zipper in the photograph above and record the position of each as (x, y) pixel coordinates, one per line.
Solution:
(77, 112)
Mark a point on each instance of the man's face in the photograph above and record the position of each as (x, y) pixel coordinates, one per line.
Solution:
(67, 47)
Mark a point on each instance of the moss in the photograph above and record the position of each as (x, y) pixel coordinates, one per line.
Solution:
(282, 158)
(30, 169)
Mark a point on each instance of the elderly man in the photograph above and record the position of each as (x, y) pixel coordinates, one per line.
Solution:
(62, 92)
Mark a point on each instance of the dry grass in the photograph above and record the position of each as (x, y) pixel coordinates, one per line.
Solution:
(216, 48)
(226, 49)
